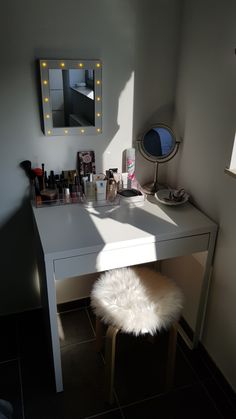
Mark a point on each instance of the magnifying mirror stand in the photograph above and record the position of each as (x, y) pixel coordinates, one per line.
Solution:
(152, 187)
(157, 145)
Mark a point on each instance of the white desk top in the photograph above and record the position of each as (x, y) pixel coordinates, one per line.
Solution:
(70, 230)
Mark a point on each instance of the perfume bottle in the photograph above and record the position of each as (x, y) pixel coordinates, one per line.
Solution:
(111, 189)
(90, 189)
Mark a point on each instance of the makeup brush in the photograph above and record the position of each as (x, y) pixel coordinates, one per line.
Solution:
(26, 166)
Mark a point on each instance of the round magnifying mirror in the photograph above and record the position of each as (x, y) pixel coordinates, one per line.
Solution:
(158, 144)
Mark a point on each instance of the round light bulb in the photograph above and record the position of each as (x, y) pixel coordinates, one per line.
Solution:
(44, 64)
(46, 99)
(45, 82)
(98, 98)
(82, 130)
(49, 132)
(98, 114)
(98, 65)
(47, 116)
(98, 129)
(81, 64)
(98, 82)
(66, 131)
(62, 64)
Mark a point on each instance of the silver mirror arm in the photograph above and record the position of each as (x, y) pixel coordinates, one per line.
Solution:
(152, 187)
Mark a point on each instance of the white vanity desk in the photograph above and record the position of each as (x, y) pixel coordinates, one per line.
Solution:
(76, 241)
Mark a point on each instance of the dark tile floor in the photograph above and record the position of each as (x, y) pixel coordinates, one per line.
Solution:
(26, 374)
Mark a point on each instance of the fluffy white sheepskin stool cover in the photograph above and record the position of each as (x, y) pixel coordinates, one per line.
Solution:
(135, 300)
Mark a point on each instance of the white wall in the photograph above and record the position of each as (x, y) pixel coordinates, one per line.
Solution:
(137, 42)
(206, 105)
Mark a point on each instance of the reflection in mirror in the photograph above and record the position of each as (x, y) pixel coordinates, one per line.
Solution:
(71, 96)
(158, 144)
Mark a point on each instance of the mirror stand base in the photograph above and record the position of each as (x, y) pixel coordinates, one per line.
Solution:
(150, 188)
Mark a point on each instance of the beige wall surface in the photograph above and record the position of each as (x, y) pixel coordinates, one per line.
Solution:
(205, 118)
(137, 42)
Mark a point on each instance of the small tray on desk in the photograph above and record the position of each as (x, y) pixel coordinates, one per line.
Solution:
(39, 203)
(131, 196)
(163, 196)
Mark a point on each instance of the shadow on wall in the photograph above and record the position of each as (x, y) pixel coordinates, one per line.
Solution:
(18, 262)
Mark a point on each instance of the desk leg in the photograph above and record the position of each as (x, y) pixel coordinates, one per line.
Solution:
(52, 306)
(202, 305)
(204, 290)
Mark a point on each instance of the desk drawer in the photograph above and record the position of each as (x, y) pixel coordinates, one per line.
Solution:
(128, 256)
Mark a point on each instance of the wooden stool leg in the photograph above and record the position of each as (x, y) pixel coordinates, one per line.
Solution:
(99, 329)
(110, 362)
(170, 368)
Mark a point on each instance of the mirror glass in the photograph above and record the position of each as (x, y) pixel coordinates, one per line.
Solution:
(71, 96)
(158, 142)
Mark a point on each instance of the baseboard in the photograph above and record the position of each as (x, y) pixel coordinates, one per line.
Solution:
(211, 365)
(217, 374)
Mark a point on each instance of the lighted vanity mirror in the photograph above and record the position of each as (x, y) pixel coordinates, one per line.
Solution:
(71, 96)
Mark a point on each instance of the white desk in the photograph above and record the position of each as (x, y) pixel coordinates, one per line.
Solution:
(75, 241)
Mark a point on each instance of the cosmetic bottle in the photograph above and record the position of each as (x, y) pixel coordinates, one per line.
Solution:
(78, 189)
(117, 177)
(84, 182)
(90, 188)
(130, 165)
(51, 180)
(124, 180)
(73, 194)
(60, 192)
(45, 180)
(101, 188)
(43, 176)
(66, 192)
(111, 189)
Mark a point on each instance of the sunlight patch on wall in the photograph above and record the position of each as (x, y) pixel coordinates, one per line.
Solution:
(123, 138)
(232, 167)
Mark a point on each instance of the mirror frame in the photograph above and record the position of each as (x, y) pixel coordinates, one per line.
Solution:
(45, 66)
(149, 156)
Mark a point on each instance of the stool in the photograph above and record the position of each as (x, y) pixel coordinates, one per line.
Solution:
(135, 300)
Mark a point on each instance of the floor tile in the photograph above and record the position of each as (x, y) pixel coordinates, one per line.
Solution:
(220, 399)
(40, 399)
(195, 359)
(8, 347)
(91, 316)
(186, 403)
(27, 380)
(75, 327)
(10, 386)
(31, 330)
(83, 376)
(114, 414)
(73, 305)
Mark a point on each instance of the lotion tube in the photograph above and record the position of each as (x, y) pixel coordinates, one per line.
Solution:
(101, 186)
